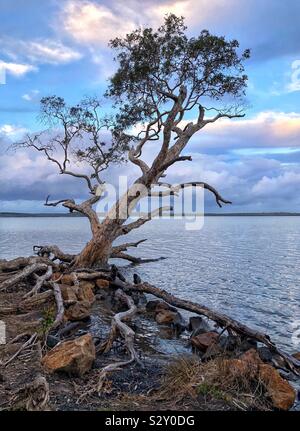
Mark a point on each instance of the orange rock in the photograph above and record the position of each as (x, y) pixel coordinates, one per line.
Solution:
(279, 390)
(74, 357)
(67, 279)
(205, 340)
(68, 294)
(85, 292)
(167, 317)
(79, 311)
(252, 357)
(102, 284)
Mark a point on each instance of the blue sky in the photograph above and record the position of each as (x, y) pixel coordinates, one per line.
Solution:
(60, 47)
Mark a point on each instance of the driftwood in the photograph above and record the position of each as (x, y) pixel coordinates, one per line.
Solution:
(127, 333)
(59, 303)
(28, 270)
(39, 283)
(223, 320)
(29, 343)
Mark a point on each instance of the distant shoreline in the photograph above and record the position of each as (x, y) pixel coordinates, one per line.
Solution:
(250, 214)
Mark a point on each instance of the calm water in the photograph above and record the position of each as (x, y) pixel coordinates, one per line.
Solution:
(247, 267)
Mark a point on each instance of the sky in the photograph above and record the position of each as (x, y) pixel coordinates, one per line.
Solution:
(60, 47)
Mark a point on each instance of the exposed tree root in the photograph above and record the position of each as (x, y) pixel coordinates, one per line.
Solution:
(29, 343)
(127, 333)
(39, 283)
(59, 303)
(53, 252)
(33, 397)
(133, 259)
(24, 273)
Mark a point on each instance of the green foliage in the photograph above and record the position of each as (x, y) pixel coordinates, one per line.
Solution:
(154, 64)
(47, 320)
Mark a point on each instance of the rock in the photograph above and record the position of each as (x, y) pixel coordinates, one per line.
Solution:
(296, 355)
(204, 341)
(156, 305)
(74, 357)
(265, 354)
(102, 284)
(247, 344)
(251, 357)
(67, 279)
(197, 325)
(279, 390)
(79, 311)
(230, 343)
(85, 292)
(68, 294)
(52, 341)
(167, 317)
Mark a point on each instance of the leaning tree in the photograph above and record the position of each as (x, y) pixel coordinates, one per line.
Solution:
(167, 88)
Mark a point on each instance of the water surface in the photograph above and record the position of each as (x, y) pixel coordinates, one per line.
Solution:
(247, 267)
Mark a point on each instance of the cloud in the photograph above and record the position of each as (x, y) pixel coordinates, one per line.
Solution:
(294, 84)
(40, 51)
(268, 129)
(17, 69)
(11, 131)
(31, 96)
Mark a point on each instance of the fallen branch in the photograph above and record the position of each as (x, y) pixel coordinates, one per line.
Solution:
(220, 318)
(28, 270)
(134, 259)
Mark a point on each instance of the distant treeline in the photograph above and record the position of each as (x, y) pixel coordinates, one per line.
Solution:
(262, 214)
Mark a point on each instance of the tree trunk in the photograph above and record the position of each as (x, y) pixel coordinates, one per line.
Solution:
(98, 250)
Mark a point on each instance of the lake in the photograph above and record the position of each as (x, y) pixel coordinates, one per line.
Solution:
(246, 267)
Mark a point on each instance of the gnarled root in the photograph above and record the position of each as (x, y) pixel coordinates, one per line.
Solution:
(39, 282)
(118, 326)
(53, 252)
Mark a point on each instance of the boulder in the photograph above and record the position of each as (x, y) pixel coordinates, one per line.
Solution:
(197, 325)
(68, 293)
(204, 341)
(156, 305)
(279, 390)
(102, 284)
(75, 357)
(67, 279)
(85, 292)
(265, 354)
(167, 317)
(79, 311)
(245, 367)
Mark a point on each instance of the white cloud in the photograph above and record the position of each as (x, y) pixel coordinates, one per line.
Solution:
(40, 51)
(17, 69)
(31, 96)
(11, 131)
(294, 84)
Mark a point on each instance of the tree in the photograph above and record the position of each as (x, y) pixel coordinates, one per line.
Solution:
(163, 80)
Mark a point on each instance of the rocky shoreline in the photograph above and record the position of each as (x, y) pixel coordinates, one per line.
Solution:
(68, 356)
